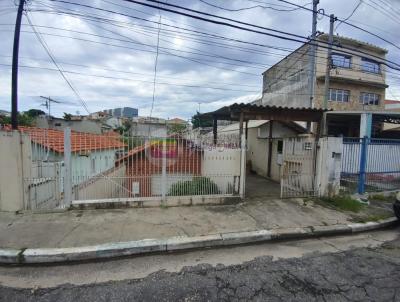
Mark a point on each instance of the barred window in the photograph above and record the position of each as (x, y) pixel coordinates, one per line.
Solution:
(369, 65)
(339, 95)
(339, 60)
(367, 98)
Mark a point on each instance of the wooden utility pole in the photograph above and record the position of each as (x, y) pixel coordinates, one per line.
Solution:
(328, 61)
(14, 75)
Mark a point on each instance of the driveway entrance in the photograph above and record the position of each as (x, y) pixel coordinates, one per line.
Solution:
(259, 187)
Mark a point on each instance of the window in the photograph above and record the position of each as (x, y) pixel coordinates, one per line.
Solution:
(280, 147)
(369, 65)
(339, 95)
(339, 60)
(367, 98)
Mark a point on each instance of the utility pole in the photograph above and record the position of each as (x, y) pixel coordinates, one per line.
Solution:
(14, 75)
(47, 104)
(312, 51)
(329, 61)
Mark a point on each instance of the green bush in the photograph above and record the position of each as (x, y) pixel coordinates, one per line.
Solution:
(197, 186)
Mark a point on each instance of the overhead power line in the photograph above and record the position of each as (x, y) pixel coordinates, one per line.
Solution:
(149, 82)
(244, 49)
(295, 39)
(344, 22)
(351, 14)
(250, 7)
(343, 48)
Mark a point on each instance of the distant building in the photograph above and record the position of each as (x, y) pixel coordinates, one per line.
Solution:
(149, 126)
(392, 105)
(177, 121)
(79, 125)
(123, 112)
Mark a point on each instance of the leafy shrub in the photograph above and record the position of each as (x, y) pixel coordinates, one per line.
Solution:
(197, 186)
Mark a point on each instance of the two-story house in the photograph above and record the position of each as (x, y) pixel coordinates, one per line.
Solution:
(357, 78)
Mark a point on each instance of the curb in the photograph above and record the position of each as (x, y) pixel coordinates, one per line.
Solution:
(146, 246)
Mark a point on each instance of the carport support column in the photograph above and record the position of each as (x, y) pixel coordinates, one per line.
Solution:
(365, 125)
(270, 148)
(67, 168)
(242, 157)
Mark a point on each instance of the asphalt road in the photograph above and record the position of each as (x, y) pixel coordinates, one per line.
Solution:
(369, 272)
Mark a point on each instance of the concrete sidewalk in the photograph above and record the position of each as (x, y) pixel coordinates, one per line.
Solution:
(93, 227)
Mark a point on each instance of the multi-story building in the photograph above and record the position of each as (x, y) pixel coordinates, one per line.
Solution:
(357, 78)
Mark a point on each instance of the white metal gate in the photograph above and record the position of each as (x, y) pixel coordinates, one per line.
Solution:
(298, 167)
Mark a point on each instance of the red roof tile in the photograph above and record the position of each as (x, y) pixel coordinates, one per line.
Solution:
(387, 102)
(80, 141)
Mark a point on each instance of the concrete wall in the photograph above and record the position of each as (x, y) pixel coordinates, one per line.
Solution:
(15, 161)
(88, 126)
(81, 162)
(286, 83)
(109, 184)
(222, 166)
(329, 159)
(146, 129)
(354, 78)
(257, 148)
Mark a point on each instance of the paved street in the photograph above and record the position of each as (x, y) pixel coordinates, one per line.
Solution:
(364, 267)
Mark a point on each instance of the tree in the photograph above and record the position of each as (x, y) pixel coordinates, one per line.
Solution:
(176, 128)
(24, 119)
(198, 121)
(67, 116)
(34, 112)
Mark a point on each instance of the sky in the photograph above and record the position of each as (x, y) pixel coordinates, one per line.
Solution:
(111, 61)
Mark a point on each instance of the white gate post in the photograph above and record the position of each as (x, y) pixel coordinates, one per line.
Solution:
(242, 165)
(164, 171)
(67, 168)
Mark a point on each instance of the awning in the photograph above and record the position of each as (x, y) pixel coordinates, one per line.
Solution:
(263, 112)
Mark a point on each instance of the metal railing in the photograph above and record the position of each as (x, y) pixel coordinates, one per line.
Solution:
(370, 165)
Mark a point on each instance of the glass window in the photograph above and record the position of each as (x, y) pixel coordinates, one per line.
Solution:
(369, 65)
(339, 60)
(367, 98)
(339, 95)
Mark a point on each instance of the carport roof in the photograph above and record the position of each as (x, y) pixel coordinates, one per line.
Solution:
(263, 112)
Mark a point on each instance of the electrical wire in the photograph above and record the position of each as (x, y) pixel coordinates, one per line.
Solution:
(251, 7)
(155, 67)
(351, 14)
(47, 49)
(344, 22)
(248, 29)
(379, 59)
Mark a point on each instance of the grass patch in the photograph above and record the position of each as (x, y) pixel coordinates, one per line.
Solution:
(382, 197)
(372, 217)
(343, 202)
